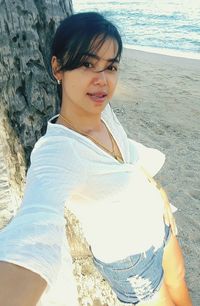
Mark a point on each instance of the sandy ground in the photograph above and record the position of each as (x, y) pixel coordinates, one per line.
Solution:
(158, 102)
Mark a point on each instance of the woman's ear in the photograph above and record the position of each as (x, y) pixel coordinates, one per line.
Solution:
(55, 69)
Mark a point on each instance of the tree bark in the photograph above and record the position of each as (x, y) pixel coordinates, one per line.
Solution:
(28, 98)
(28, 94)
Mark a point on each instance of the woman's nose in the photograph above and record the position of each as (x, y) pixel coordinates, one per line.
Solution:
(100, 78)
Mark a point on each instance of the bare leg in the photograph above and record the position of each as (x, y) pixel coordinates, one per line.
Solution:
(161, 298)
(174, 273)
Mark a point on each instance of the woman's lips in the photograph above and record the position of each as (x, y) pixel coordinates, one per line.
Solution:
(98, 96)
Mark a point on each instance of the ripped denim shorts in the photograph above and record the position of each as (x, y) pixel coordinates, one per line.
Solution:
(138, 277)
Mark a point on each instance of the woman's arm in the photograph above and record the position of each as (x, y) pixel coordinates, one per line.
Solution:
(19, 286)
(34, 239)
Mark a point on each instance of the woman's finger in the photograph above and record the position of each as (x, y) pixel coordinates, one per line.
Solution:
(170, 220)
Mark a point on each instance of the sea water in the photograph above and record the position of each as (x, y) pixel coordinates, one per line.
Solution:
(162, 26)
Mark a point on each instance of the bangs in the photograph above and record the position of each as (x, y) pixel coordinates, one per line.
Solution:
(79, 50)
(95, 46)
(75, 59)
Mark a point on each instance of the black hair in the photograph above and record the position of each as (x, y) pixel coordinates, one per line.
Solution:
(79, 35)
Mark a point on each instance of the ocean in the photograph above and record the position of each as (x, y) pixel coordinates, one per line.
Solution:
(162, 26)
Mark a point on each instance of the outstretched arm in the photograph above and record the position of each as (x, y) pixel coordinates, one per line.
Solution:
(32, 246)
(19, 286)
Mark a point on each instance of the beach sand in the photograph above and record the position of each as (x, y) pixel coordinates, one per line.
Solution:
(158, 102)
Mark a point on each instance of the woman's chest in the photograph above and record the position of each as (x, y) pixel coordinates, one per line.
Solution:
(123, 187)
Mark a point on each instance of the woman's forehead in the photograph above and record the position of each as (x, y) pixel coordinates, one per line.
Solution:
(106, 50)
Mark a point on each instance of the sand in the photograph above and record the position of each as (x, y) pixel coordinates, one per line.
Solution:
(158, 102)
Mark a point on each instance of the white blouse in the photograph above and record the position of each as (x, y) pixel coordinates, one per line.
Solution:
(120, 212)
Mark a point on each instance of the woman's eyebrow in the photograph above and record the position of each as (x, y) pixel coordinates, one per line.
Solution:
(110, 60)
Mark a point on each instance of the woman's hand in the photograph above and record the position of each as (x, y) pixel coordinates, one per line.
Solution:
(168, 214)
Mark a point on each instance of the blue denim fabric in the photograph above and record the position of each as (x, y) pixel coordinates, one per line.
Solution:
(136, 278)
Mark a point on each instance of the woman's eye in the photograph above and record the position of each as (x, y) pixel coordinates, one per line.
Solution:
(112, 68)
(87, 65)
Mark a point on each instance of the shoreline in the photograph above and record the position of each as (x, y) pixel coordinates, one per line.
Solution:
(193, 63)
(168, 52)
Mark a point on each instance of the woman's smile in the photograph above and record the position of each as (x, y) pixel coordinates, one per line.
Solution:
(98, 97)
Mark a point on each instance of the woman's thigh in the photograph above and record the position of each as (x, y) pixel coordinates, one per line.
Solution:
(161, 298)
(173, 262)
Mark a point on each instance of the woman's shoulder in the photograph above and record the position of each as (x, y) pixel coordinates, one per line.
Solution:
(57, 144)
(150, 158)
(56, 134)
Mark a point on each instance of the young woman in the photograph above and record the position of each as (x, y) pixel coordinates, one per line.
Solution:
(86, 161)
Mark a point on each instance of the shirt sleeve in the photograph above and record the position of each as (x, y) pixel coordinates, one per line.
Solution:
(35, 237)
(150, 159)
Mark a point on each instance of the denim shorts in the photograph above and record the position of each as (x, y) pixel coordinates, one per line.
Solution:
(138, 277)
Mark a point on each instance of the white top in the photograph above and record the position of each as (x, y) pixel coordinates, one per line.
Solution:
(121, 213)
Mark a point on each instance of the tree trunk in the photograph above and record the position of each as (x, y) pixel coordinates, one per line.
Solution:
(28, 94)
(28, 99)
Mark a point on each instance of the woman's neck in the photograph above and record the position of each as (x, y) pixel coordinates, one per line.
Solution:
(86, 123)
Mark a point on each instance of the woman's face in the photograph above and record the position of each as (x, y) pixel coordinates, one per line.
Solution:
(89, 88)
